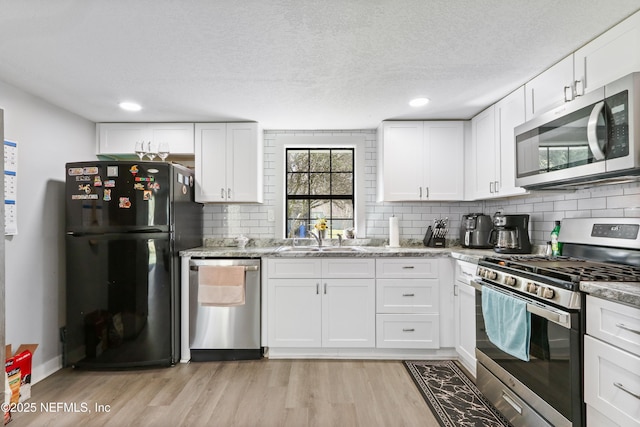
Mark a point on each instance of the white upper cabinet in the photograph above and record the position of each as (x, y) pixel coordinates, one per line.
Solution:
(509, 113)
(120, 138)
(610, 56)
(492, 172)
(228, 162)
(420, 161)
(547, 90)
(483, 136)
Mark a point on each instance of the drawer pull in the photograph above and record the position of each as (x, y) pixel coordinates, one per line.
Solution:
(621, 387)
(627, 328)
(408, 267)
(408, 295)
(408, 330)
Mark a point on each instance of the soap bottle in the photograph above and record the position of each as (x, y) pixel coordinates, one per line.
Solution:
(556, 247)
(302, 231)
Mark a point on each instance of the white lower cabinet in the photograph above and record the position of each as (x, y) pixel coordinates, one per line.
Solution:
(612, 364)
(465, 315)
(407, 303)
(324, 311)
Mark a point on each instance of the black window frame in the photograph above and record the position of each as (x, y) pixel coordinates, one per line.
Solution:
(292, 224)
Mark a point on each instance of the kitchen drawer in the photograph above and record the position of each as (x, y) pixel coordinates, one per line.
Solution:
(408, 331)
(609, 370)
(617, 324)
(407, 295)
(299, 268)
(348, 268)
(389, 268)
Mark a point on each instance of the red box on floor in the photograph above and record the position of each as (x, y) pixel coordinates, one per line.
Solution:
(18, 368)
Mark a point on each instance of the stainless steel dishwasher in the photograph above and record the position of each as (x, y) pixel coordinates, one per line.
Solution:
(225, 333)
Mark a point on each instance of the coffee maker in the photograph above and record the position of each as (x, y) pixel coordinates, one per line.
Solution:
(510, 234)
(475, 230)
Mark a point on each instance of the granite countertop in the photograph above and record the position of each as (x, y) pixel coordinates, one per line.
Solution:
(469, 255)
(623, 292)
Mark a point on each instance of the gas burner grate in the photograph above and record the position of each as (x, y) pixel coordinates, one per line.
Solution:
(570, 269)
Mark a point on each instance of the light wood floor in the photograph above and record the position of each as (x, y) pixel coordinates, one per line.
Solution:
(246, 393)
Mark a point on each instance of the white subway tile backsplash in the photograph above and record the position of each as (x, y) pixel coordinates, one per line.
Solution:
(543, 207)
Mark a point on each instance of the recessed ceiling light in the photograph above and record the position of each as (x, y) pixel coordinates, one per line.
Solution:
(419, 102)
(130, 106)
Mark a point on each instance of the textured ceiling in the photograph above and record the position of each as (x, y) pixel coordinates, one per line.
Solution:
(289, 64)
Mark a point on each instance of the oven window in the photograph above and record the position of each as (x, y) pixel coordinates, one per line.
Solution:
(554, 360)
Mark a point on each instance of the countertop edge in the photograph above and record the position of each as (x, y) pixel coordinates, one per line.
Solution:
(621, 292)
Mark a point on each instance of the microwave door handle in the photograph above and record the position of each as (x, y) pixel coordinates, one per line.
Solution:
(592, 134)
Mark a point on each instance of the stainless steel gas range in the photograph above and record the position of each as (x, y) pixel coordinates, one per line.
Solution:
(530, 319)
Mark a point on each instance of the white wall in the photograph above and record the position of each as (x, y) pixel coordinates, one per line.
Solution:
(47, 138)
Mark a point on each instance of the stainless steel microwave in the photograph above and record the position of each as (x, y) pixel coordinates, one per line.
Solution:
(593, 139)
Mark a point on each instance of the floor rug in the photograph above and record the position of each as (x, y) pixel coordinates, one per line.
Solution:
(453, 398)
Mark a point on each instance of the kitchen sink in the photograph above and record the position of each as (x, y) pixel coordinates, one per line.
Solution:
(321, 249)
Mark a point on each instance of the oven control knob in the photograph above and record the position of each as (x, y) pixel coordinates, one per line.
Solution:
(492, 275)
(532, 287)
(480, 272)
(548, 293)
(510, 281)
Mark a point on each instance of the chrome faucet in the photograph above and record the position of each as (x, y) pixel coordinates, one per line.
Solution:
(339, 239)
(317, 236)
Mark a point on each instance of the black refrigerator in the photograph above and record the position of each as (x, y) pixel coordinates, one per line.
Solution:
(125, 225)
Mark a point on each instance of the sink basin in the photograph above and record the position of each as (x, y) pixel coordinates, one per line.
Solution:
(321, 249)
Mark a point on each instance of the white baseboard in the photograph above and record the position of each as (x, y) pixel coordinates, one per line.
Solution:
(42, 371)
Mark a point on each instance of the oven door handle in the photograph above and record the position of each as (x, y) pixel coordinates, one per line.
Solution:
(561, 319)
(556, 316)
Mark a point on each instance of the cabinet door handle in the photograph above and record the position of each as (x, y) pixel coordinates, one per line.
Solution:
(408, 267)
(420, 189)
(222, 193)
(317, 288)
(626, 328)
(408, 330)
(623, 388)
(325, 288)
(579, 85)
(427, 190)
(491, 187)
(229, 193)
(568, 93)
(455, 290)
(408, 295)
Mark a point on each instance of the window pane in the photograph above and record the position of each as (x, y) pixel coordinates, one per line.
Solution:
(320, 208)
(320, 161)
(320, 184)
(297, 183)
(297, 209)
(297, 160)
(342, 209)
(342, 183)
(342, 161)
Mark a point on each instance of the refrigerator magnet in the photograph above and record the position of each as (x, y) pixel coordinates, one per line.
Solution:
(112, 171)
(134, 170)
(86, 188)
(91, 170)
(107, 195)
(75, 171)
(184, 189)
(124, 203)
(147, 195)
(97, 182)
(138, 186)
(110, 183)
